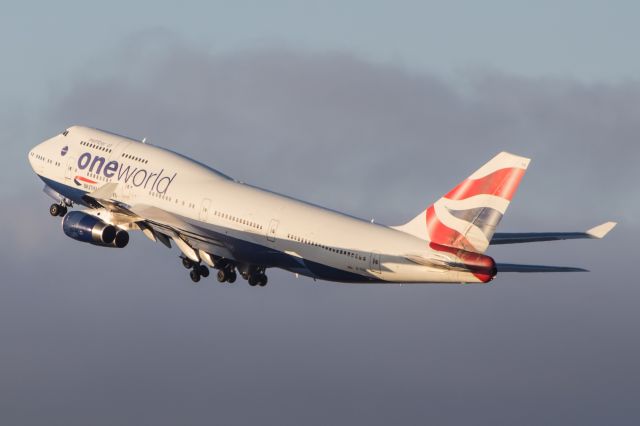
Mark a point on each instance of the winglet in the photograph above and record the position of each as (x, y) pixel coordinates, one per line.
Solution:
(601, 230)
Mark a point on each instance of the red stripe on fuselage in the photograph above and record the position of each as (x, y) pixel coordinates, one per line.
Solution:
(84, 179)
(502, 183)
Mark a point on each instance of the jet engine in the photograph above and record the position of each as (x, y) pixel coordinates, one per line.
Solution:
(89, 229)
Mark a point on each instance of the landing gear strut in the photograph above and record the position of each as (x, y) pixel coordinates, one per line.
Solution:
(57, 210)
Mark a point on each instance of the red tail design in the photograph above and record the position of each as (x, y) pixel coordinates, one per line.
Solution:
(443, 235)
(501, 183)
(467, 216)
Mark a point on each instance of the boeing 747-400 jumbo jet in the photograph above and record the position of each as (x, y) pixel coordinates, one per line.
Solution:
(215, 221)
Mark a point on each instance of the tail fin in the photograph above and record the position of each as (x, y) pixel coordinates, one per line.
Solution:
(467, 216)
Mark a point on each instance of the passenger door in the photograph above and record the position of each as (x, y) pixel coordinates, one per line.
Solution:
(70, 169)
(204, 209)
(374, 263)
(272, 230)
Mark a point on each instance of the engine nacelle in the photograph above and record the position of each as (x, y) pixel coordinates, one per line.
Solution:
(89, 229)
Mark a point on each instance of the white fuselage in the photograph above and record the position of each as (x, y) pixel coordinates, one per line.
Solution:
(250, 220)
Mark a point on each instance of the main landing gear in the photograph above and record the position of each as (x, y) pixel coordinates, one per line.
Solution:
(57, 210)
(226, 271)
(260, 280)
(255, 276)
(197, 270)
(227, 274)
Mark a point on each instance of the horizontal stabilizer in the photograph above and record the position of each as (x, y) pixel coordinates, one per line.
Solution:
(514, 267)
(528, 237)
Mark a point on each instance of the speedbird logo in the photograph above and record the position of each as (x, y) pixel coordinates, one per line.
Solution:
(137, 176)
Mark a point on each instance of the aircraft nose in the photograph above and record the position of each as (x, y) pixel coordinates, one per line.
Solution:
(36, 157)
(31, 158)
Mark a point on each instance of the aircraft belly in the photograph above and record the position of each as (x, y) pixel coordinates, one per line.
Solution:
(411, 273)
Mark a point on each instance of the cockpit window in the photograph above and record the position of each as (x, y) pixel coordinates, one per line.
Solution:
(65, 133)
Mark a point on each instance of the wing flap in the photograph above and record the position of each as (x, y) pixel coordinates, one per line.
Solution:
(186, 236)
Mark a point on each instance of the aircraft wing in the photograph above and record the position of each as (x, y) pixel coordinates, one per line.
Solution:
(528, 237)
(103, 197)
(159, 225)
(188, 237)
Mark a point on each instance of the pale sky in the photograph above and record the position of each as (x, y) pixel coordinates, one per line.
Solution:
(588, 40)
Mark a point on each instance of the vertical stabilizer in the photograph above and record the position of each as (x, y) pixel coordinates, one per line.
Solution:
(467, 216)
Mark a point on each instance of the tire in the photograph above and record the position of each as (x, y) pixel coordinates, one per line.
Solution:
(253, 280)
(54, 209)
(263, 281)
(195, 276)
(204, 271)
(222, 275)
(63, 211)
(187, 263)
(232, 277)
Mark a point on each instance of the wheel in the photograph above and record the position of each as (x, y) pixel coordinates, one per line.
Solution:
(222, 275)
(187, 263)
(263, 281)
(55, 209)
(232, 277)
(204, 271)
(63, 211)
(195, 276)
(253, 280)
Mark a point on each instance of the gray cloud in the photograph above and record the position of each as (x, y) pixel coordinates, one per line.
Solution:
(267, 116)
(98, 336)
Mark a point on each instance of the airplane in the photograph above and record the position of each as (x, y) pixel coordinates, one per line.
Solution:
(217, 222)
